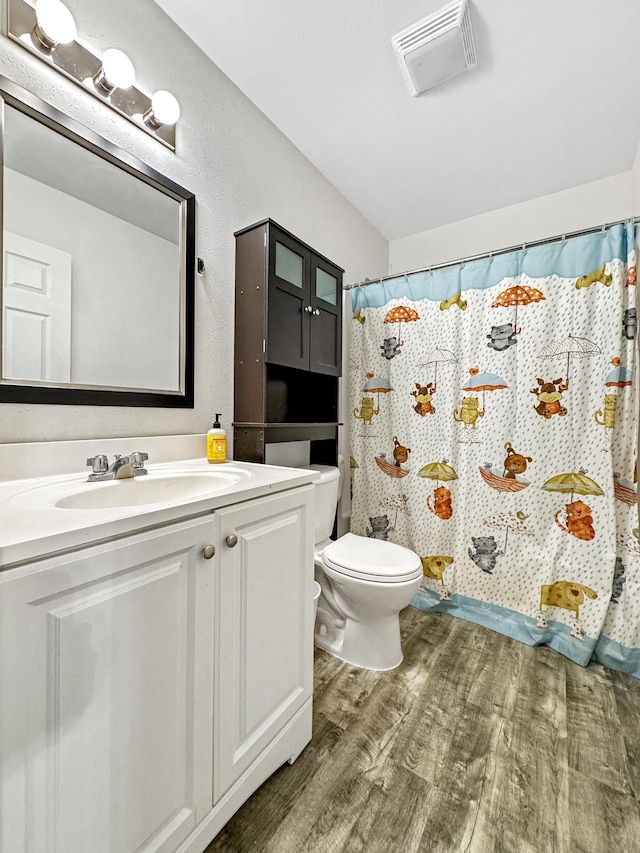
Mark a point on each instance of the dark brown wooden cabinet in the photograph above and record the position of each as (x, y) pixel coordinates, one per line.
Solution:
(288, 341)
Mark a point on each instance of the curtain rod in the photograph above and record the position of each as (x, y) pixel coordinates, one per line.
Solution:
(520, 247)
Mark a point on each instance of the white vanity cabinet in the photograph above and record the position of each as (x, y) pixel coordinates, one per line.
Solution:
(145, 690)
(264, 638)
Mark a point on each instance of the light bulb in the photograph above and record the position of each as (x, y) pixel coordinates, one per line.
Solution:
(165, 109)
(54, 24)
(117, 72)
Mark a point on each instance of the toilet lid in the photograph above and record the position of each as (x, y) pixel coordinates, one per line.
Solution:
(372, 559)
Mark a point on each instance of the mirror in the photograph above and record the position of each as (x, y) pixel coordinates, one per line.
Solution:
(97, 273)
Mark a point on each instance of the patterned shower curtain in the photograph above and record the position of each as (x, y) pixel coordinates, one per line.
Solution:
(494, 432)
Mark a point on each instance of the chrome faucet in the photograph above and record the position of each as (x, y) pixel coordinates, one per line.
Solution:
(121, 468)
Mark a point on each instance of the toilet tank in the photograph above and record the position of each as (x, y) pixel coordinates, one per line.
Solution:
(326, 501)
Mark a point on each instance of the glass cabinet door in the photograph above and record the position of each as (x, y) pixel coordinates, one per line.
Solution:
(289, 265)
(325, 286)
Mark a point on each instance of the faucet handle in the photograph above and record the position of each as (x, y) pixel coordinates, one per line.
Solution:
(99, 464)
(138, 459)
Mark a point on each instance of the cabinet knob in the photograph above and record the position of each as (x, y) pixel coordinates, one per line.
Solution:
(208, 551)
(317, 312)
(308, 309)
(232, 540)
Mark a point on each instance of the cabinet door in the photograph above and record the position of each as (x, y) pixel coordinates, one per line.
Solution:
(288, 303)
(325, 326)
(106, 668)
(264, 643)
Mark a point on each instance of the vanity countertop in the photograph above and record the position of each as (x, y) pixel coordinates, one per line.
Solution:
(33, 527)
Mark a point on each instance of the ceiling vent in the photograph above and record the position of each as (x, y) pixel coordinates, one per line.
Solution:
(437, 48)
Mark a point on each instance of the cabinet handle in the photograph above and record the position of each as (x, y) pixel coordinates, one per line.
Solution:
(232, 540)
(317, 312)
(208, 551)
(308, 309)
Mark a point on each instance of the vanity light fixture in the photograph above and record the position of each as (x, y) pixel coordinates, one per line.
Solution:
(54, 25)
(46, 29)
(164, 109)
(116, 72)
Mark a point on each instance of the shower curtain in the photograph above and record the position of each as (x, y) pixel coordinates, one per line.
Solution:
(494, 432)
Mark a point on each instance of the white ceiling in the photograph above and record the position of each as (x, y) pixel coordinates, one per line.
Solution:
(553, 103)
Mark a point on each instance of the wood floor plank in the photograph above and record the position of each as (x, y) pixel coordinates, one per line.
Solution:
(601, 818)
(596, 744)
(449, 673)
(345, 697)
(393, 818)
(527, 770)
(252, 828)
(475, 743)
(497, 679)
(626, 691)
(322, 817)
(454, 802)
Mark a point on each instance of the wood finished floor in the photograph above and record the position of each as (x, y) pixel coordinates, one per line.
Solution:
(475, 743)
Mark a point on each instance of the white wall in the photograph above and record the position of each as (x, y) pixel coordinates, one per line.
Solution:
(591, 204)
(125, 304)
(635, 184)
(241, 168)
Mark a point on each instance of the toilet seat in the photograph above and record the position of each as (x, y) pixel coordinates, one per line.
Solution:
(371, 559)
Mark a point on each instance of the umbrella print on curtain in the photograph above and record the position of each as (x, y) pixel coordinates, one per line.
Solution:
(578, 517)
(549, 394)
(397, 503)
(377, 385)
(441, 495)
(424, 393)
(374, 385)
(509, 521)
(483, 382)
(438, 356)
(469, 410)
(515, 296)
(619, 377)
(401, 314)
(571, 347)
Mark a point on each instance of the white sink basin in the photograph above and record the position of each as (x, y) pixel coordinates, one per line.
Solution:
(154, 488)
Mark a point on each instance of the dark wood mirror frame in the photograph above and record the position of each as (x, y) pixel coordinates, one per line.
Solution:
(11, 391)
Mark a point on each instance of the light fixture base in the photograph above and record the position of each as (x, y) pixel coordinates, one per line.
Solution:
(79, 64)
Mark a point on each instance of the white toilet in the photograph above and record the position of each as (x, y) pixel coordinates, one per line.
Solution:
(365, 584)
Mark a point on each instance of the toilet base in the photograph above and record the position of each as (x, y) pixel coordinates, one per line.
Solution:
(369, 645)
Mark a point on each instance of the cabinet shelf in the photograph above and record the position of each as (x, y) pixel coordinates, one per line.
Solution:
(249, 438)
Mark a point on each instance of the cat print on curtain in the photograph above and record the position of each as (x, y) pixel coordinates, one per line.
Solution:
(494, 432)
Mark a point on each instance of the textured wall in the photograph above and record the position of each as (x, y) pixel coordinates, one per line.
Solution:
(591, 204)
(635, 184)
(241, 169)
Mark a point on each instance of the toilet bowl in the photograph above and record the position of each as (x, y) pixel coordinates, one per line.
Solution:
(364, 584)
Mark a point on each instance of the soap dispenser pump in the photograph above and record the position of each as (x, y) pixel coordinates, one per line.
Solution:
(216, 442)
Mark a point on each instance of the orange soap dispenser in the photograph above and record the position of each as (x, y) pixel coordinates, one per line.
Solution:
(216, 442)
